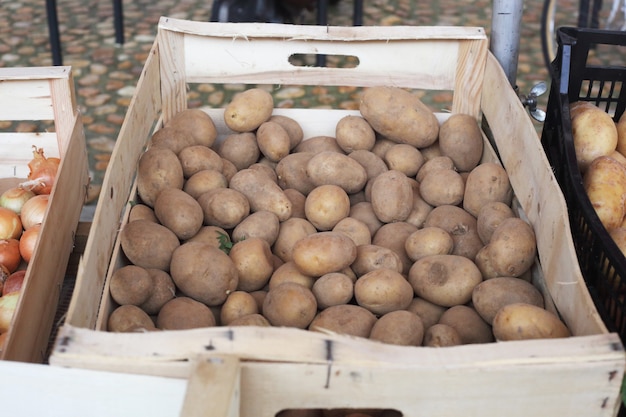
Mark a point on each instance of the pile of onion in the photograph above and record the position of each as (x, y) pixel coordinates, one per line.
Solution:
(22, 209)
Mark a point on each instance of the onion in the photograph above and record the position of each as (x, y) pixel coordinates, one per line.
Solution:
(28, 242)
(8, 305)
(10, 256)
(14, 282)
(34, 210)
(14, 198)
(10, 224)
(43, 172)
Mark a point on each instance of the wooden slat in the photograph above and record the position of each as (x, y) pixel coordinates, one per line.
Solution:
(17, 151)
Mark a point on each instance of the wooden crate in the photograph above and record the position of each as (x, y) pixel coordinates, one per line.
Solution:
(43, 95)
(577, 376)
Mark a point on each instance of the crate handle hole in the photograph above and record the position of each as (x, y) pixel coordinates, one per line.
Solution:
(340, 412)
(324, 60)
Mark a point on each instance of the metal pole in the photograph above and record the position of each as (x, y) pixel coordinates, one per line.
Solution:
(53, 30)
(505, 35)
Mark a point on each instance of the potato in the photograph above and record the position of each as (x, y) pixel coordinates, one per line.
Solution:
(354, 133)
(198, 157)
(250, 320)
(468, 324)
(179, 212)
(253, 260)
(420, 210)
(393, 236)
(291, 172)
(291, 305)
(364, 211)
(262, 224)
(130, 284)
(141, 212)
(595, 134)
(391, 196)
(428, 241)
(203, 181)
(371, 257)
(512, 248)
(298, 201)
(433, 164)
(320, 253)
(521, 321)
(618, 235)
(229, 169)
(427, 311)
(319, 144)
(148, 244)
(163, 290)
(461, 225)
(399, 116)
(262, 193)
(326, 205)
(248, 109)
(291, 231)
(489, 218)
(129, 318)
(372, 163)
(381, 146)
(158, 168)
(382, 291)
(291, 126)
(195, 123)
(398, 327)
(289, 272)
(332, 289)
(442, 187)
(171, 138)
(348, 319)
(486, 183)
(404, 158)
(182, 313)
(605, 185)
(355, 229)
(491, 295)
(223, 207)
(237, 304)
(213, 235)
(273, 140)
(441, 335)
(460, 138)
(241, 149)
(446, 280)
(621, 135)
(337, 169)
(203, 272)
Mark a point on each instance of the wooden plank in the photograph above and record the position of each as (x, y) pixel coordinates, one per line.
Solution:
(173, 72)
(213, 385)
(470, 72)
(65, 109)
(16, 149)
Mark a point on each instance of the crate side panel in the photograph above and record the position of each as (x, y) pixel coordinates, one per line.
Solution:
(65, 109)
(16, 150)
(29, 100)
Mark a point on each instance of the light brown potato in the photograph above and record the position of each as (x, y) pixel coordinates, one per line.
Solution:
(487, 182)
(393, 236)
(298, 201)
(203, 272)
(248, 109)
(427, 311)
(223, 207)
(182, 313)
(382, 145)
(290, 305)
(460, 139)
(262, 193)
(520, 321)
(461, 225)
(354, 133)
(621, 135)
(489, 218)
(253, 260)
(442, 187)
(399, 115)
(428, 241)
(348, 319)
(595, 134)
(291, 172)
(333, 289)
(213, 235)
(391, 196)
(326, 205)
(491, 295)
(158, 168)
(291, 126)
(382, 291)
(605, 185)
(197, 158)
(371, 257)
(372, 163)
(337, 169)
(179, 212)
(364, 212)
(512, 248)
(241, 149)
(265, 167)
(404, 158)
(398, 327)
(163, 290)
(130, 284)
(237, 304)
(229, 169)
(129, 318)
(289, 272)
(431, 151)
(468, 324)
(171, 138)
(141, 212)
(259, 297)
(433, 164)
(290, 231)
(203, 181)
(273, 140)
(441, 335)
(319, 144)
(197, 124)
(420, 210)
(446, 280)
(320, 253)
(355, 229)
(262, 224)
(250, 320)
(148, 244)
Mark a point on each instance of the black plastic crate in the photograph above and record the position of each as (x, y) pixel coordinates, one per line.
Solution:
(574, 78)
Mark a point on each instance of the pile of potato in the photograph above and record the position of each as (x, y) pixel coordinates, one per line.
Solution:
(393, 229)
(600, 146)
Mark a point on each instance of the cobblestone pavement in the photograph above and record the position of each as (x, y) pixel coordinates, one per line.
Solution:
(106, 73)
